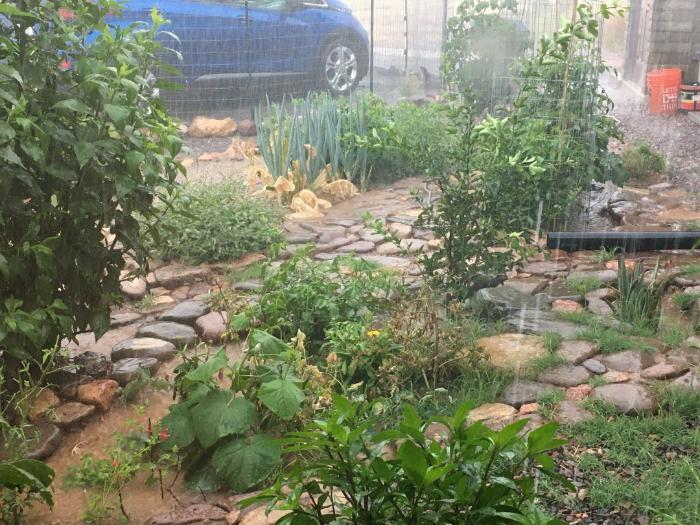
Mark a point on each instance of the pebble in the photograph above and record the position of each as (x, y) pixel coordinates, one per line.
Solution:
(595, 366)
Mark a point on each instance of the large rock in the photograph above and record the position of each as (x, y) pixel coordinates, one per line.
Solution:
(388, 248)
(628, 361)
(599, 307)
(494, 415)
(127, 370)
(566, 305)
(561, 289)
(507, 299)
(571, 413)
(144, 347)
(204, 127)
(93, 364)
(564, 375)
(664, 371)
(212, 327)
(357, 247)
(70, 414)
(134, 289)
(527, 285)
(186, 312)
(604, 276)
(178, 334)
(512, 351)
(541, 322)
(520, 393)
(43, 438)
(173, 276)
(690, 381)
(100, 393)
(627, 398)
(45, 401)
(124, 319)
(577, 352)
(400, 230)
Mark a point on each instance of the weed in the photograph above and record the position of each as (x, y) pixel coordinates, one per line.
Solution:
(135, 391)
(596, 380)
(217, 221)
(640, 161)
(674, 336)
(251, 272)
(606, 254)
(638, 301)
(551, 341)
(548, 401)
(583, 318)
(685, 301)
(147, 302)
(609, 340)
(583, 285)
(691, 269)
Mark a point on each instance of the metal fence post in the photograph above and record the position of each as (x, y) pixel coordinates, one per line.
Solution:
(371, 47)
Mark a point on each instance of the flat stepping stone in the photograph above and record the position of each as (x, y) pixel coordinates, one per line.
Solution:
(388, 248)
(370, 236)
(400, 230)
(357, 247)
(45, 401)
(43, 438)
(512, 351)
(527, 285)
(186, 312)
(690, 381)
(541, 322)
(571, 413)
(174, 276)
(545, 268)
(509, 300)
(71, 414)
(178, 334)
(301, 238)
(604, 276)
(560, 289)
(628, 361)
(127, 370)
(576, 352)
(627, 398)
(124, 319)
(93, 364)
(595, 366)
(212, 327)
(144, 347)
(664, 371)
(395, 263)
(565, 375)
(521, 393)
(493, 415)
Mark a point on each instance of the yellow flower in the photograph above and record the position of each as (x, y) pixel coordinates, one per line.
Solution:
(373, 333)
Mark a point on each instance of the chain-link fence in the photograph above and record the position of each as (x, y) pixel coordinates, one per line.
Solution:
(233, 54)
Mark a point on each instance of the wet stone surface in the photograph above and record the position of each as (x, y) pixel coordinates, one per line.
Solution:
(144, 347)
(178, 334)
(130, 369)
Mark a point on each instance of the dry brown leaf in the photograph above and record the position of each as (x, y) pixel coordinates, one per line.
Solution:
(340, 189)
(284, 185)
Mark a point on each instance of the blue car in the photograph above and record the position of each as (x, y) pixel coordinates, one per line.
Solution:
(317, 40)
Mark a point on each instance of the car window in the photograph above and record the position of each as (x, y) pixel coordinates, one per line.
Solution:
(271, 5)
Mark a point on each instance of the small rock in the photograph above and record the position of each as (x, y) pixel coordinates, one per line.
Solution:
(512, 351)
(600, 293)
(212, 327)
(134, 289)
(628, 361)
(123, 319)
(664, 371)
(437, 432)
(566, 305)
(144, 347)
(204, 127)
(494, 415)
(357, 247)
(45, 401)
(178, 334)
(71, 414)
(233, 517)
(604, 276)
(599, 307)
(194, 514)
(564, 375)
(129, 369)
(186, 312)
(388, 248)
(578, 392)
(627, 398)
(576, 352)
(402, 231)
(571, 413)
(521, 393)
(613, 376)
(246, 128)
(545, 268)
(370, 236)
(527, 285)
(174, 275)
(43, 439)
(529, 408)
(595, 366)
(100, 393)
(93, 364)
(690, 381)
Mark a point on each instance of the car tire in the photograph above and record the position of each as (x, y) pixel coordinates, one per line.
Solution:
(339, 68)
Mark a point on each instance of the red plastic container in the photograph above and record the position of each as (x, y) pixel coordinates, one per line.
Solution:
(664, 89)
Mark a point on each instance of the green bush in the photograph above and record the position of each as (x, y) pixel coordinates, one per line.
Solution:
(21, 483)
(85, 148)
(641, 161)
(217, 221)
(349, 473)
(638, 301)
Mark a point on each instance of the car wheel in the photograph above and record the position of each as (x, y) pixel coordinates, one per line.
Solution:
(340, 69)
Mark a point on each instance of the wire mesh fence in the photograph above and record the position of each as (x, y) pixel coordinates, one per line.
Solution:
(233, 54)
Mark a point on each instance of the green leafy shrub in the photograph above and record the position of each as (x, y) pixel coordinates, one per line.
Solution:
(638, 301)
(217, 221)
(21, 483)
(225, 435)
(85, 148)
(310, 296)
(640, 161)
(685, 301)
(348, 473)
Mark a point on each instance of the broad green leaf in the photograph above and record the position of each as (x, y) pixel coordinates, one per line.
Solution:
(204, 479)
(239, 322)
(282, 396)
(207, 369)
(220, 414)
(179, 426)
(245, 462)
(413, 462)
(269, 344)
(8, 155)
(84, 152)
(13, 11)
(73, 105)
(118, 114)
